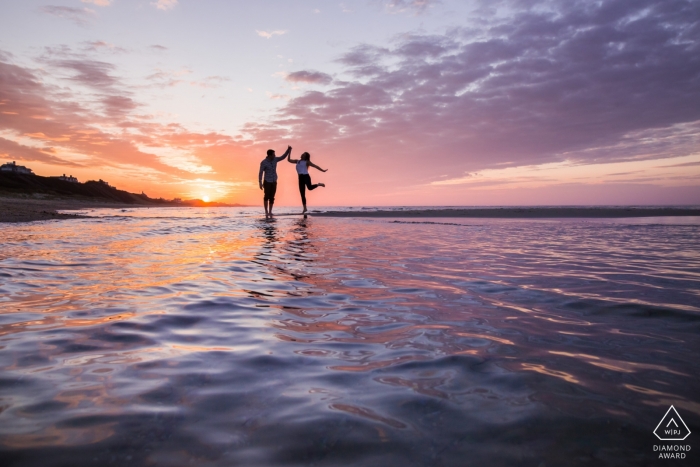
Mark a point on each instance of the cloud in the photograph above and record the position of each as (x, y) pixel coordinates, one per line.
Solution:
(79, 16)
(99, 46)
(210, 82)
(277, 96)
(310, 77)
(15, 151)
(417, 6)
(92, 73)
(165, 79)
(686, 164)
(102, 131)
(553, 81)
(268, 35)
(117, 105)
(160, 48)
(165, 4)
(98, 2)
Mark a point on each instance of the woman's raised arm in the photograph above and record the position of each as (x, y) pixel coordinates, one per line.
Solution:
(311, 164)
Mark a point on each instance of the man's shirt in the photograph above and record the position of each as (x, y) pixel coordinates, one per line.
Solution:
(269, 168)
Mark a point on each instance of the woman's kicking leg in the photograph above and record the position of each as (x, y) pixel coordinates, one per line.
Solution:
(305, 182)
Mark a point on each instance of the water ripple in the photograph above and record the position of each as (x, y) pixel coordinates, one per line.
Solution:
(191, 337)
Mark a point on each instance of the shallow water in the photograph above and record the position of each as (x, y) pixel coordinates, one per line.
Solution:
(212, 337)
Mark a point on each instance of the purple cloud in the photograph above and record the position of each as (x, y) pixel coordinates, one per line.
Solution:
(118, 105)
(309, 77)
(100, 46)
(91, 73)
(586, 82)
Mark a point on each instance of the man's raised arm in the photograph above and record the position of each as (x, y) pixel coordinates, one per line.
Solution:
(286, 153)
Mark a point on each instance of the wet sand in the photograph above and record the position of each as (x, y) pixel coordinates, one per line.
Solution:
(16, 209)
(21, 209)
(524, 213)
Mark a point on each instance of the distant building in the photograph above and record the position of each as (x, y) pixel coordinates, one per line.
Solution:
(14, 168)
(69, 178)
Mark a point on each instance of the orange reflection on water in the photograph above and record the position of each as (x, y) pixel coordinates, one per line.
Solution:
(422, 385)
(53, 436)
(369, 414)
(373, 365)
(663, 399)
(56, 321)
(485, 336)
(546, 371)
(616, 365)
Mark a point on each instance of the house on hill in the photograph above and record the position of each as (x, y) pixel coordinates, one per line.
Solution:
(69, 178)
(12, 167)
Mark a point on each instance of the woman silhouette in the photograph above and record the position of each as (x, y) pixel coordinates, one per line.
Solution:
(303, 165)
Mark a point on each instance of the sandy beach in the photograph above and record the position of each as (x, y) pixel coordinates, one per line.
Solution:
(18, 209)
(524, 213)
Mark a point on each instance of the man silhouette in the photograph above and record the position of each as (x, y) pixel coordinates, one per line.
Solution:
(267, 178)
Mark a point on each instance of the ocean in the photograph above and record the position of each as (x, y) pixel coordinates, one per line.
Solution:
(212, 337)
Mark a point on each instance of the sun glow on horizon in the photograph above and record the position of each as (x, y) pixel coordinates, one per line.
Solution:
(205, 198)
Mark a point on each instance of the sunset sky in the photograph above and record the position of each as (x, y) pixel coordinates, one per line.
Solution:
(406, 102)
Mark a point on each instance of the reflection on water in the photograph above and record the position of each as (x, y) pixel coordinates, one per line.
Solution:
(213, 337)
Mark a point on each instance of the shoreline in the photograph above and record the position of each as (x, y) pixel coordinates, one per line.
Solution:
(16, 209)
(20, 209)
(521, 213)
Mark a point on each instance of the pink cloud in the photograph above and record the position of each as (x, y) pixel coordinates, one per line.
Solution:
(31, 111)
(98, 2)
(270, 34)
(165, 4)
(12, 150)
(79, 16)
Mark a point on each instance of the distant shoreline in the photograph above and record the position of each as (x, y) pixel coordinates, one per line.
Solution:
(521, 213)
(16, 209)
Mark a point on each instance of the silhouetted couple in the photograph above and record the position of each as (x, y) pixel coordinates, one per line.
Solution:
(267, 178)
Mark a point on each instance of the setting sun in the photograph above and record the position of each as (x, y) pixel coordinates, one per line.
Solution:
(205, 198)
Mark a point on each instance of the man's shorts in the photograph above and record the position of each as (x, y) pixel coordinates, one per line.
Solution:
(270, 190)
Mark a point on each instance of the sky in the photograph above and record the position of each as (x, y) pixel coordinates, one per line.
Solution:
(405, 102)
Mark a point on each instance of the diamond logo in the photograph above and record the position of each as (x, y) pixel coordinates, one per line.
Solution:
(671, 427)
